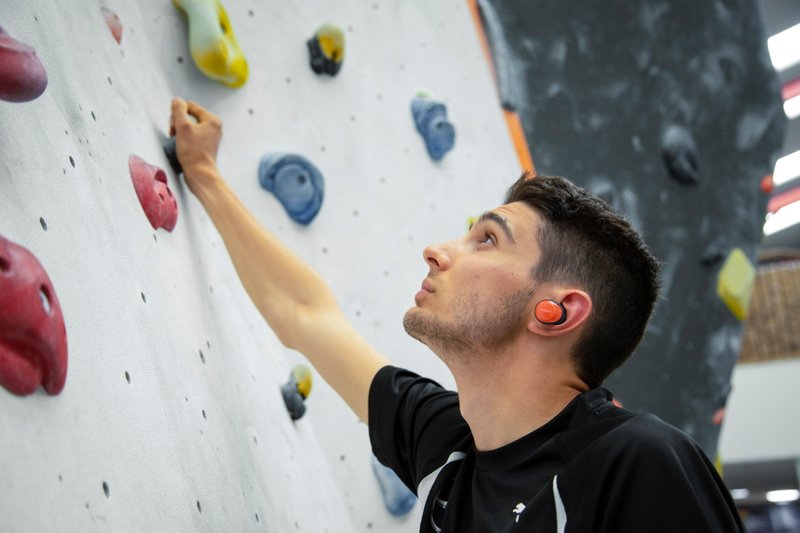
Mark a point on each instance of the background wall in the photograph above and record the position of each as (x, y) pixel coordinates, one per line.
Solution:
(602, 88)
(148, 433)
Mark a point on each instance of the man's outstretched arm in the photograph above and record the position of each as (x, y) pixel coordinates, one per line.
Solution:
(296, 303)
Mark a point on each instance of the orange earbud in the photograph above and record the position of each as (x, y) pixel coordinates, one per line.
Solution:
(550, 312)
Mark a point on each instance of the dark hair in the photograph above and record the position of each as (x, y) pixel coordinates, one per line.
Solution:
(583, 241)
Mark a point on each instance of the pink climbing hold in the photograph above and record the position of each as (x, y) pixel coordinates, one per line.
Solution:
(151, 187)
(33, 339)
(113, 22)
(22, 75)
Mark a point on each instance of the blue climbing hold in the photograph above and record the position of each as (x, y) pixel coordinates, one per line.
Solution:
(295, 182)
(431, 120)
(397, 499)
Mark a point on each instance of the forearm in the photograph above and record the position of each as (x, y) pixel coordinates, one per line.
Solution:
(281, 285)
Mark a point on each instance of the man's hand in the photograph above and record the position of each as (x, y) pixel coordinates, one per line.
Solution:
(196, 142)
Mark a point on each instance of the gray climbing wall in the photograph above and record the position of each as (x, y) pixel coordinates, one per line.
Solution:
(171, 418)
(602, 87)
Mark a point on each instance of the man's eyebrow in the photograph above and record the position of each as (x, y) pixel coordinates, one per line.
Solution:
(501, 221)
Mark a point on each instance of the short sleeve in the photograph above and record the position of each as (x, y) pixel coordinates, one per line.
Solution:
(414, 424)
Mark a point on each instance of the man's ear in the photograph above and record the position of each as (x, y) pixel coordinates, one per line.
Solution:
(577, 305)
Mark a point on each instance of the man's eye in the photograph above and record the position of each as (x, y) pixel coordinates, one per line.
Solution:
(488, 238)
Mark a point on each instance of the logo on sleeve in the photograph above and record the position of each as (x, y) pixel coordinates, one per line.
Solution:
(518, 510)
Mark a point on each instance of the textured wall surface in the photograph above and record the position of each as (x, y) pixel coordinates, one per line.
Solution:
(171, 418)
(602, 88)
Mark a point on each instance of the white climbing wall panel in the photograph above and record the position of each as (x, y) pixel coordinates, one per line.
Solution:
(149, 434)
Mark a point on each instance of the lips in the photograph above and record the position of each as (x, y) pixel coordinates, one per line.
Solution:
(426, 286)
(426, 289)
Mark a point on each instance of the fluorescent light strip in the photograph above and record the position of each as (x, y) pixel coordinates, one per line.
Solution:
(792, 107)
(786, 168)
(784, 48)
(785, 217)
(740, 494)
(787, 495)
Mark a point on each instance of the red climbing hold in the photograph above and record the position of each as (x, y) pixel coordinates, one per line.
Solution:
(113, 22)
(22, 76)
(151, 187)
(33, 339)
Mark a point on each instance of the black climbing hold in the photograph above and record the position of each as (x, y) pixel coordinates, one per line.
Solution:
(326, 50)
(680, 155)
(172, 155)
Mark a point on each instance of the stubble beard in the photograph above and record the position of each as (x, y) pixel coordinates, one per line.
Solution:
(476, 328)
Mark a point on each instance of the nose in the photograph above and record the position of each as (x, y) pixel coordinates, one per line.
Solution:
(437, 256)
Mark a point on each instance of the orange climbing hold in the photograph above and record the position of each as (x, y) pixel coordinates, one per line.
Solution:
(154, 194)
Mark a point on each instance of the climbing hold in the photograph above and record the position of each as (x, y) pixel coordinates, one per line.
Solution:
(212, 43)
(430, 118)
(171, 152)
(735, 283)
(326, 50)
(113, 22)
(295, 182)
(471, 222)
(22, 75)
(680, 155)
(397, 499)
(296, 390)
(713, 253)
(33, 339)
(151, 187)
(767, 185)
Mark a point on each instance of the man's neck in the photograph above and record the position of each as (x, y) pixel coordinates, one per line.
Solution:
(504, 396)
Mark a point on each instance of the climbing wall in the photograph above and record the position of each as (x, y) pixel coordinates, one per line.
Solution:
(671, 111)
(171, 416)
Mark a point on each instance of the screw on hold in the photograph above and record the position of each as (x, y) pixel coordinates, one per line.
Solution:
(296, 390)
(680, 155)
(33, 338)
(430, 118)
(326, 50)
(295, 182)
(22, 75)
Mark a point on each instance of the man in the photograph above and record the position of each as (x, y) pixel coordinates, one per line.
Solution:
(530, 310)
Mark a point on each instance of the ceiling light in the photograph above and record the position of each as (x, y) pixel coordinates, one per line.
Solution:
(786, 168)
(740, 494)
(784, 48)
(787, 495)
(785, 217)
(792, 107)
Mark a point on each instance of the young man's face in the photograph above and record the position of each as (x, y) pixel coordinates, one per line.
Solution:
(479, 291)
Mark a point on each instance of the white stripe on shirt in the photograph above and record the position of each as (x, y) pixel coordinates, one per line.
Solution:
(561, 512)
(424, 487)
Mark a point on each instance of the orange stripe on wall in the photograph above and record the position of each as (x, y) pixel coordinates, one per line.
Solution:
(513, 121)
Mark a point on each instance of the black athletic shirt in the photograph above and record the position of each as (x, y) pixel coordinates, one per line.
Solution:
(593, 468)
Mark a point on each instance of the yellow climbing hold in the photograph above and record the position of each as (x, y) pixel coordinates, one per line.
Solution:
(302, 376)
(331, 40)
(735, 283)
(471, 222)
(212, 42)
